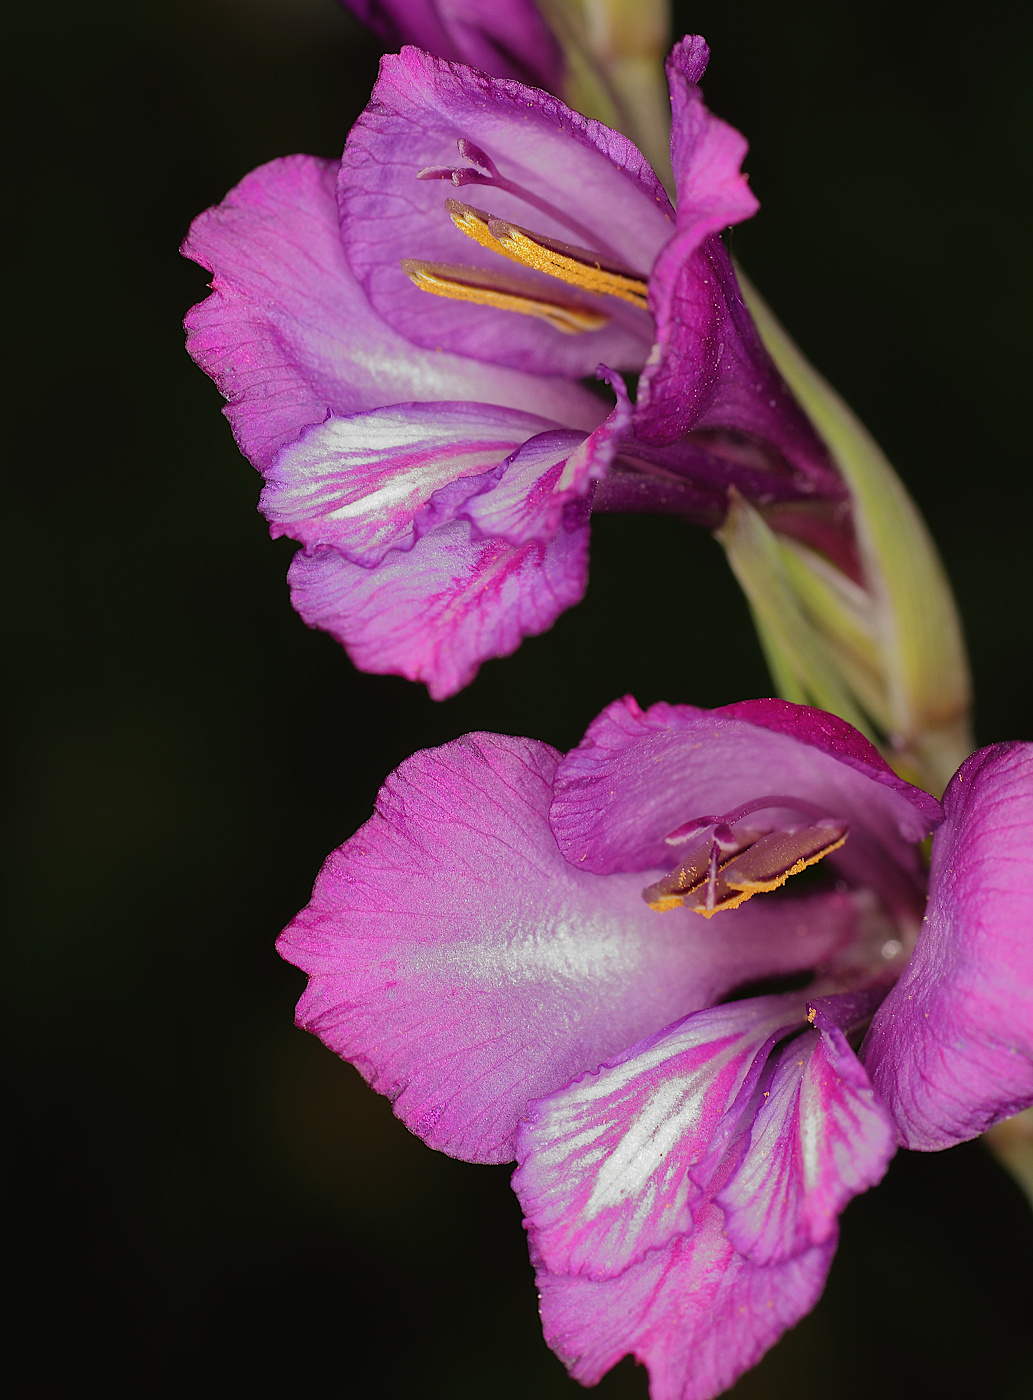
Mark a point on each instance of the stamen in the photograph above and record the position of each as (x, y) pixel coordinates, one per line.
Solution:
(693, 874)
(731, 867)
(570, 263)
(474, 223)
(770, 862)
(505, 293)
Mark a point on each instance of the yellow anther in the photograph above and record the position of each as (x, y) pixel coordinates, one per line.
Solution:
(581, 267)
(486, 288)
(728, 901)
(761, 883)
(474, 223)
(763, 864)
(671, 901)
(578, 266)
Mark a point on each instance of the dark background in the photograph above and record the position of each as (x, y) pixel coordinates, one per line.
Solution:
(201, 1195)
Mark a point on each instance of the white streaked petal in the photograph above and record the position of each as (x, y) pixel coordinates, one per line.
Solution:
(821, 1136)
(612, 1165)
(358, 482)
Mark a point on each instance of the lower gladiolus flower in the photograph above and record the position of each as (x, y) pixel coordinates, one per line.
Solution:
(481, 950)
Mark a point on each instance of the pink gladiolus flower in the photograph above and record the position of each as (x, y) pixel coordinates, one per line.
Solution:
(481, 950)
(436, 457)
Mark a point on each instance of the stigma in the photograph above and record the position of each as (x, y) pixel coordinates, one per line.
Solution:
(730, 864)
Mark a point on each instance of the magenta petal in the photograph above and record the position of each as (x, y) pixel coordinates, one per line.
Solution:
(506, 38)
(421, 109)
(820, 1136)
(696, 1312)
(951, 1048)
(605, 1163)
(638, 775)
(709, 368)
(435, 612)
(832, 735)
(287, 333)
(526, 501)
(688, 59)
(357, 482)
(464, 966)
(545, 476)
(707, 156)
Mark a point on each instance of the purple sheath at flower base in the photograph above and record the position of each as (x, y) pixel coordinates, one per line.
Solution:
(483, 950)
(506, 38)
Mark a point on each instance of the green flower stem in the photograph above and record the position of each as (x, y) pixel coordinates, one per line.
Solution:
(903, 643)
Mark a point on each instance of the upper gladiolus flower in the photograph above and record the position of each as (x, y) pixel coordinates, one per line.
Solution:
(482, 951)
(433, 454)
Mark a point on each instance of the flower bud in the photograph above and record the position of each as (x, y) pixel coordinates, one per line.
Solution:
(614, 52)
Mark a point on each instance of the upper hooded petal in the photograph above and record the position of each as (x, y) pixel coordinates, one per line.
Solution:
(420, 109)
(506, 38)
(951, 1048)
(706, 156)
(639, 775)
(708, 367)
(465, 967)
(612, 1166)
(820, 1136)
(287, 333)
(696, 1312)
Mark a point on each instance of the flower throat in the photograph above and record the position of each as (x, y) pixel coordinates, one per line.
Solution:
(598, 271)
